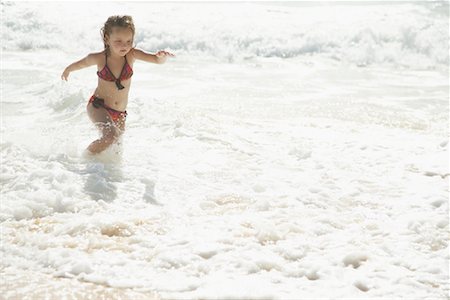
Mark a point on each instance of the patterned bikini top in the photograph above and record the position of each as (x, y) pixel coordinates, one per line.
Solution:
(107, 74)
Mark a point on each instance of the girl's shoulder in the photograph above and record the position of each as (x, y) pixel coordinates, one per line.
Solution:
(99, 54)
(132, 54)
(97, 57)
(142, 55)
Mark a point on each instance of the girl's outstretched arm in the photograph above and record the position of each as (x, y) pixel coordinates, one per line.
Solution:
(89, 60)
(157, 58)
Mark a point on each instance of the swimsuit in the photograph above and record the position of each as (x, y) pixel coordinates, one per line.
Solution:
(107, 74)
(115, 115)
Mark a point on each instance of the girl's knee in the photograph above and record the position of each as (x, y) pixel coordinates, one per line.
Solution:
(112, 136)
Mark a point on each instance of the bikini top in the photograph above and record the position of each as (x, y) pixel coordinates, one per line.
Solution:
(107, 74)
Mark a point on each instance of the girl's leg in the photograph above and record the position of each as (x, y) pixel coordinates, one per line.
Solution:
(110, 132)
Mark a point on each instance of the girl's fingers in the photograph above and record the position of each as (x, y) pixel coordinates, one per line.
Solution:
(164, 53)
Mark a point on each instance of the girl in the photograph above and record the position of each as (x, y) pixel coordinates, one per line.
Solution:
(106, 107)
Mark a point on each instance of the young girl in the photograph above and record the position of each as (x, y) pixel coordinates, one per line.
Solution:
(106, 107)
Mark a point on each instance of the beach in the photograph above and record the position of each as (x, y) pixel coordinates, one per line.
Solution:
(294, 150)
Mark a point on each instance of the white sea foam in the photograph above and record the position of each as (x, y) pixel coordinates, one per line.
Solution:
(352, 33)
(290, 150)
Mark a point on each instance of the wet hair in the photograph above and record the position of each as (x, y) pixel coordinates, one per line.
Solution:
(116, 21)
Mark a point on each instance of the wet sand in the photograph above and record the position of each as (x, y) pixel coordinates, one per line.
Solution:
(30, 285)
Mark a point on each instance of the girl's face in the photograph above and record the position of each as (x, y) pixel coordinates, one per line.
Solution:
(120, 41)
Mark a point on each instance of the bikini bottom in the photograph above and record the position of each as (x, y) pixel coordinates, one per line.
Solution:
(116, 115)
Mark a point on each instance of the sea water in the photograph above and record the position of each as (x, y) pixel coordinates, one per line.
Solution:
(290, 149)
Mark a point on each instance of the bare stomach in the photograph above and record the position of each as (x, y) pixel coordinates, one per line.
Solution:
(114, 98)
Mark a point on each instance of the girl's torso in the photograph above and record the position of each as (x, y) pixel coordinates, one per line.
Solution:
(110, 69)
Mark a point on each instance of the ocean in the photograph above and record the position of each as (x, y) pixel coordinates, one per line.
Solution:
(290, 150)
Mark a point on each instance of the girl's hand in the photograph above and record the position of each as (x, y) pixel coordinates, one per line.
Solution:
(161, 54)
(65, 75)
